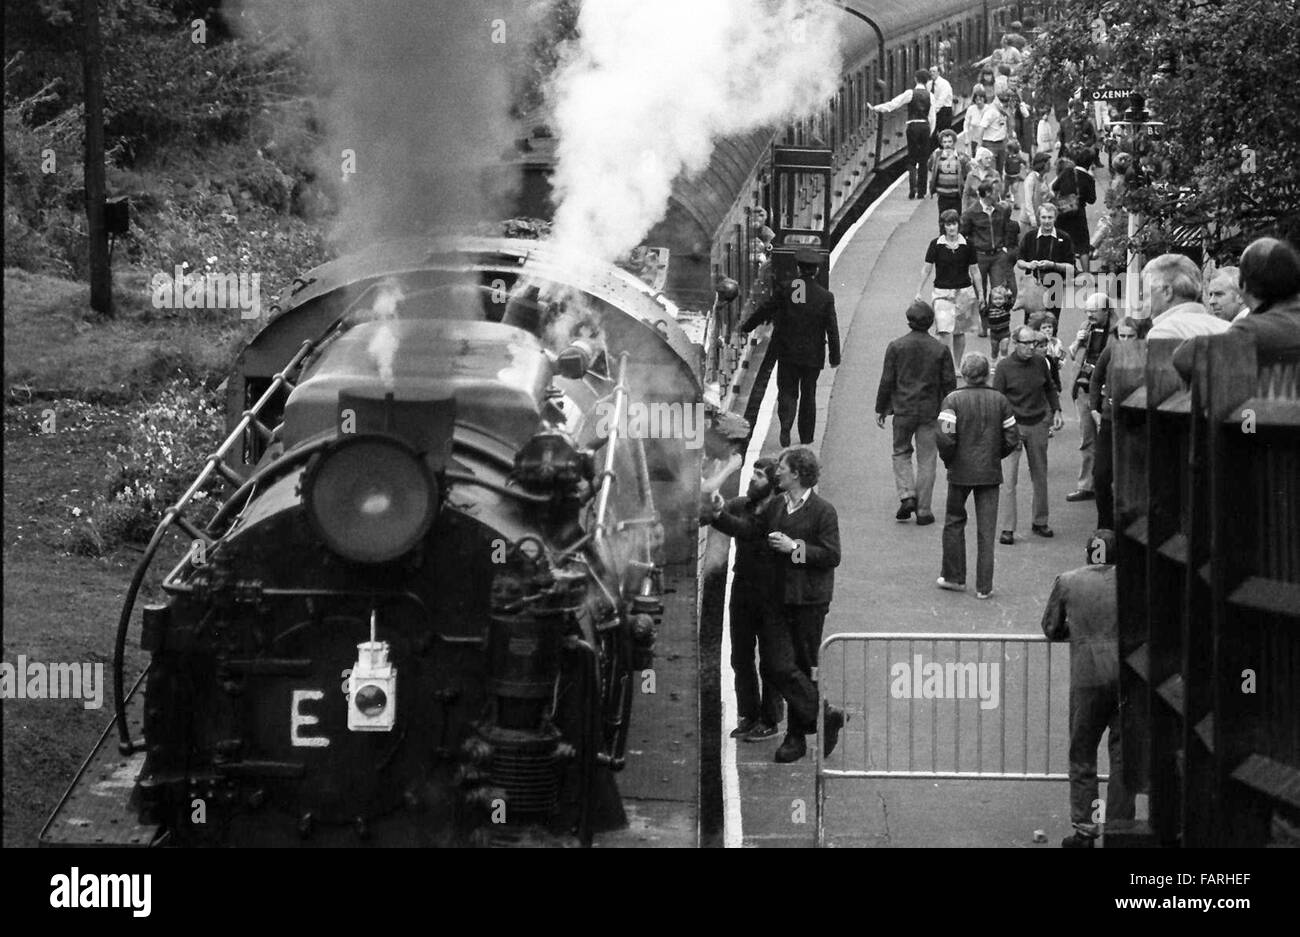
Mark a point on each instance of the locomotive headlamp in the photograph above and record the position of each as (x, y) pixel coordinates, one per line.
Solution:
(372, 689)
(370, 498)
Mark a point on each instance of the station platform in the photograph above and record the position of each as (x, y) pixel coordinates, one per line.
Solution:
(886, 582)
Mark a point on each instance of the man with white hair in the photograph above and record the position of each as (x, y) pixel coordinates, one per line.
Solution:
(1223, 297)
(1171, 298)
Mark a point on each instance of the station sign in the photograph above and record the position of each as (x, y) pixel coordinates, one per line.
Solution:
(1107, 94)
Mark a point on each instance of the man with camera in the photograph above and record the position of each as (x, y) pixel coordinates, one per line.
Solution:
(1090, 342)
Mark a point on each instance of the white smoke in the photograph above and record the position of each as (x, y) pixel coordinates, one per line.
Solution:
(649, 88)
(383, 345)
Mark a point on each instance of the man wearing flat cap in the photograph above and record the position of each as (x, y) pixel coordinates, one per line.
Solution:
(803, 320)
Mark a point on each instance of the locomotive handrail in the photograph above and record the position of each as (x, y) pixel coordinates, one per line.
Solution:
(175, 515)
(607, 476)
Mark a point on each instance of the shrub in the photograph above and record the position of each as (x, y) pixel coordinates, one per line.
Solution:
(168, 445)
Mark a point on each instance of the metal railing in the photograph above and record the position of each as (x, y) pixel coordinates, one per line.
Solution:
(1007, 680)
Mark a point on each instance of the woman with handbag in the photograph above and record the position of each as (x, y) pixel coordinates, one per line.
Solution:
(1073, 189)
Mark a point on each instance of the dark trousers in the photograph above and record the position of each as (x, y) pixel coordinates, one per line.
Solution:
(751, 614)
(954, 534)
(918, 151)
(1094, 709)
(946, 202)
(942, 122)
(1103, 475)
(796, 390)
(790, 653)
(986, 263)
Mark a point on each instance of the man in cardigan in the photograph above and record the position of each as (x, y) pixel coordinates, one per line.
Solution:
(803, 530)
(1026, 379)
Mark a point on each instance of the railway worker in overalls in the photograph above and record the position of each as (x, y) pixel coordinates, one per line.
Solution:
(1083, 608)
(947, 174)
(917, 100)
(803, 325)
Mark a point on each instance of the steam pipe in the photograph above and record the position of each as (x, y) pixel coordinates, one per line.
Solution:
(607, 476)
(880, 41)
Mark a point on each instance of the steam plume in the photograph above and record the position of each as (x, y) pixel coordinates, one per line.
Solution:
(649, 88)
(383, 345)
(419, 92)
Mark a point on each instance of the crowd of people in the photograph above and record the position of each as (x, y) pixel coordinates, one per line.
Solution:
(1007, 224)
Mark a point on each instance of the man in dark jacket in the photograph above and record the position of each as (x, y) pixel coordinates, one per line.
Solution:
(977, 429)
(803, 325)
(995, 236)
(803, 529)
(1084, 609)
(754, 607)
(917, 376)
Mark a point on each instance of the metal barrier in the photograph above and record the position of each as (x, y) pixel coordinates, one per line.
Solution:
(1006, 691)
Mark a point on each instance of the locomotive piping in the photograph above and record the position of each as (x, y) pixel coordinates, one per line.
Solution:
(125, 744)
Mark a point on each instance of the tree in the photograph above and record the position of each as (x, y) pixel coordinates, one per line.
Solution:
(1222, 78)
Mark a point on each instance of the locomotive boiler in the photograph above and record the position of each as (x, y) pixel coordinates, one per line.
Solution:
(423, 613)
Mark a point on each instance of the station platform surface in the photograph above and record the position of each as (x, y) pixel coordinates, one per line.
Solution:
(886, 583)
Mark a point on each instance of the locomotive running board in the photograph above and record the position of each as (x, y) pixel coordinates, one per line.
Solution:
(97, 810)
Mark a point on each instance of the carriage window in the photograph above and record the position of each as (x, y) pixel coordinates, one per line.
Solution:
(889, 81)
(961, 44)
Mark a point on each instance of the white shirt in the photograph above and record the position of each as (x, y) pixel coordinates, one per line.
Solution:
(792, 505)
(1245, 311)
(993, 124)
(906, 98)
(974, 115)
(1186, 320)
(940, 93)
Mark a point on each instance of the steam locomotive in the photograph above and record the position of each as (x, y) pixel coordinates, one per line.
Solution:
(463, 477)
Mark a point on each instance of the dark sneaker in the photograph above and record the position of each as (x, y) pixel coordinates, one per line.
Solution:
(1078, 841)
(1008, 537)
(924, 520)
(760, 733)
(984, 595)
(1043, 530)
(906, 508)
(1081, 495)
(744, 727)
(792, 749)
(835, 719)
